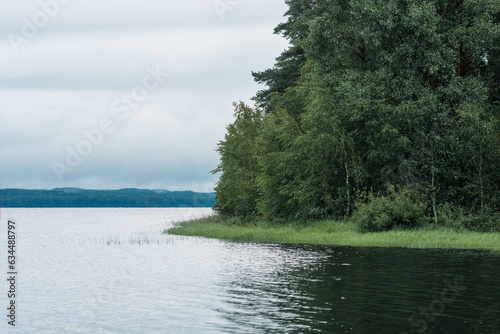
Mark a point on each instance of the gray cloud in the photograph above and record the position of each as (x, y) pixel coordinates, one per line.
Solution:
(64, 81)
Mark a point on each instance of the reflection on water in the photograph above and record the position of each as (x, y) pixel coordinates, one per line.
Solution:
(113, 271)
(367, 290)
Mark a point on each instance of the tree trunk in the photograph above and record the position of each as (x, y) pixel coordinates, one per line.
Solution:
(347, 184)
(434, 200)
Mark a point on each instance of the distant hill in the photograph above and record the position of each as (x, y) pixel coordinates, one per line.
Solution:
(123, 198)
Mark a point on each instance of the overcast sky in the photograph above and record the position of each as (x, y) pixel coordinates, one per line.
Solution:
(126, 93)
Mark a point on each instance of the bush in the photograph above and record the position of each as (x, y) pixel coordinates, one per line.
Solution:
(485, 220)
(399, 208)
(451, 216)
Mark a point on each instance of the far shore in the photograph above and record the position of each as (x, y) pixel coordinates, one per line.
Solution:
(329, 232)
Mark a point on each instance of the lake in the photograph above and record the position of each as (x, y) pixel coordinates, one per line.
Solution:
(114, 271)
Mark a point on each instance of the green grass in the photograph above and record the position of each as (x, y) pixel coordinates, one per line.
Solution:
(335, 233)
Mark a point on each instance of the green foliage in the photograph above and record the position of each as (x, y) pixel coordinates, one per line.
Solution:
(399, 208)
(236, 191)
(451, 216)
(482, 221)
(402, 50)
(304, 157)
(370, 93)
(287, 69)
(485, 220)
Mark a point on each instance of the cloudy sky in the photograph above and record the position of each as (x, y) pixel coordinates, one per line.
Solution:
(126, 93)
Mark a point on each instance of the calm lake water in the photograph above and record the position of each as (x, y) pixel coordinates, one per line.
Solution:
(113, 271)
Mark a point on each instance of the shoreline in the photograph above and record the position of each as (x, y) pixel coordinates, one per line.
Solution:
(329, 232)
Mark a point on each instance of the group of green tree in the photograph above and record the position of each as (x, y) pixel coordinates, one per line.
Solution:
(384, 112)
(75, 197)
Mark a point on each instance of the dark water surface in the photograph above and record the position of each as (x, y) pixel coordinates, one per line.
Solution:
(113, 271)
(381, 290)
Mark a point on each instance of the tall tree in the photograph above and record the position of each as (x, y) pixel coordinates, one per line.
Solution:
(286, 70)
(434, 54)
(236, 191)
(370, 93)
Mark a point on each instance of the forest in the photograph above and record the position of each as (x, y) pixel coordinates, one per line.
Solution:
(78, 198)
(383, 113)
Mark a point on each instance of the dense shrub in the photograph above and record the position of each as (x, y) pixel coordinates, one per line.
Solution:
(399, 208)
(450, 216)
(485, 220)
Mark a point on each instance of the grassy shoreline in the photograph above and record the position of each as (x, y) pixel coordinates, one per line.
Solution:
(330, 232)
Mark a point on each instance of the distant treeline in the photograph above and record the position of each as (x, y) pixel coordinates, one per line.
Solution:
(78, 198)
